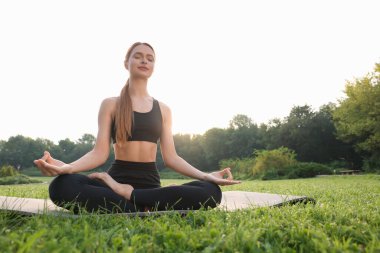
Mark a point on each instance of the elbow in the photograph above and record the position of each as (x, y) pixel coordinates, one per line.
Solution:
(103, 160)
(170, 162)
(166, 161)
(101, 157)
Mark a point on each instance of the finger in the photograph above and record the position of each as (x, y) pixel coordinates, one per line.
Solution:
(49, 158)
(93, 175)
(46, 173)
(48, 168)
(40, 166)
(229, 174)
(96, 175)
(230, 182)
(45, 156)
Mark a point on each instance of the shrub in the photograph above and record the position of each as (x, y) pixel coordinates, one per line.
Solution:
(18, 179)
(34, 172)
(241, 168)
(304, 170)
(170, 174)
(8, 171)
(338, 164)
(272, 174)
(271, 164)
(372, 164)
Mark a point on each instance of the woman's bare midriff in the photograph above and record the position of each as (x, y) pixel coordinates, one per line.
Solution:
(136, 151)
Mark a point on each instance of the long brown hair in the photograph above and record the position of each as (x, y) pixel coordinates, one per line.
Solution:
(124, 114)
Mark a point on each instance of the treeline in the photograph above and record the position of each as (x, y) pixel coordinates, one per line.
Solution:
(20, 151)
(346, 135)
(310, 134)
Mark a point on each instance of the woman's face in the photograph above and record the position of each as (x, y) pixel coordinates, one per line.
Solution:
(141, 62)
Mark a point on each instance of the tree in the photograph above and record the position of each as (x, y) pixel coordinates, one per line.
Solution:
(271, 134)
(240, 121)
(20, 151)
(83, 145)
(311, 134)
(189, 147)
(2, 157)
(243, 137)
(65, 150)
(297, 132)
(214, 146)
(358, 115)
(15, 151)
(294, 132)
(87, 139)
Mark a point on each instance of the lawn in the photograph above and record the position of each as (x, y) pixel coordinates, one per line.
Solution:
(346, 218)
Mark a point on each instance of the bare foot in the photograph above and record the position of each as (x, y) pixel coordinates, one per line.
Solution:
(124, 190)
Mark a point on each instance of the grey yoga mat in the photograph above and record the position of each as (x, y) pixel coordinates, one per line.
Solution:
(231, 201)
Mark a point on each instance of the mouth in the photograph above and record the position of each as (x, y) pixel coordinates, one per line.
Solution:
(143, 68)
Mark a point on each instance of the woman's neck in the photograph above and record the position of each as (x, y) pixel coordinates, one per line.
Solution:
(138, 88)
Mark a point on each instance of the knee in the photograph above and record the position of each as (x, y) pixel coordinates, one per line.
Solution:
(217, 193)
(59, 182)
(60, 186)
(214, 193)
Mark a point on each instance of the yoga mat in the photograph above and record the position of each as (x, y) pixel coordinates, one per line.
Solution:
(231, 201)
(237, 200)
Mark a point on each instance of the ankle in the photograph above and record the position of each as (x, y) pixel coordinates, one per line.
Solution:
(130, 193)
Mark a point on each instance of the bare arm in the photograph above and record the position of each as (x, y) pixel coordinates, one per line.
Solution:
(99, 154)
(172, 160)
(94, 158)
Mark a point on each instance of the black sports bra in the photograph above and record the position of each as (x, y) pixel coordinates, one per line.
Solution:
(146, 126)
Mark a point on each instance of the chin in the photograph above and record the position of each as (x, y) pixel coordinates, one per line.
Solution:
(143, 74)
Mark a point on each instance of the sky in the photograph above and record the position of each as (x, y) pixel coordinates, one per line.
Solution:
(214, 59)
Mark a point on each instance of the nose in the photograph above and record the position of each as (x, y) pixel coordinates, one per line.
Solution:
(143, 61)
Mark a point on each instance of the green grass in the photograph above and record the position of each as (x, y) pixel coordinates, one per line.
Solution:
(346, 218)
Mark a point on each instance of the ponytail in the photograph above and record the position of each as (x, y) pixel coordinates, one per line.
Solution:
(124, 116)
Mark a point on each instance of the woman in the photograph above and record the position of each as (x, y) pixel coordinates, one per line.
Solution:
(134, 122)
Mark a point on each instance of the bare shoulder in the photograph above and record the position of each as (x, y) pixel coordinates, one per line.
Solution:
(109, 104)
(165, 112)
(111, 101)
(165, 109)
(108, 107)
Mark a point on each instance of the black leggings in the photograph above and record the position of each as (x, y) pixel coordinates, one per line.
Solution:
(76, 191)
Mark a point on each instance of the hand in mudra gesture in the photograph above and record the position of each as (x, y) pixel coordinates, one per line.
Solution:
(218, 177)
(52, 167)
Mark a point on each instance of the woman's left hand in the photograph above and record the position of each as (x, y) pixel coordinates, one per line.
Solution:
(217, 177)
(52, 167)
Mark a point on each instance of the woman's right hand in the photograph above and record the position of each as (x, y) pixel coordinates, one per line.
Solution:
(52, 167)
(218, 177)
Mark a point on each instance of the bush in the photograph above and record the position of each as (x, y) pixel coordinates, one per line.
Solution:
(304, 170)
(270, 164)
(8, 171)
(33, 172)
(170, 174)
(339, 164)
(241, 168)
(18, 179)
(372, 164)
(272, 174)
